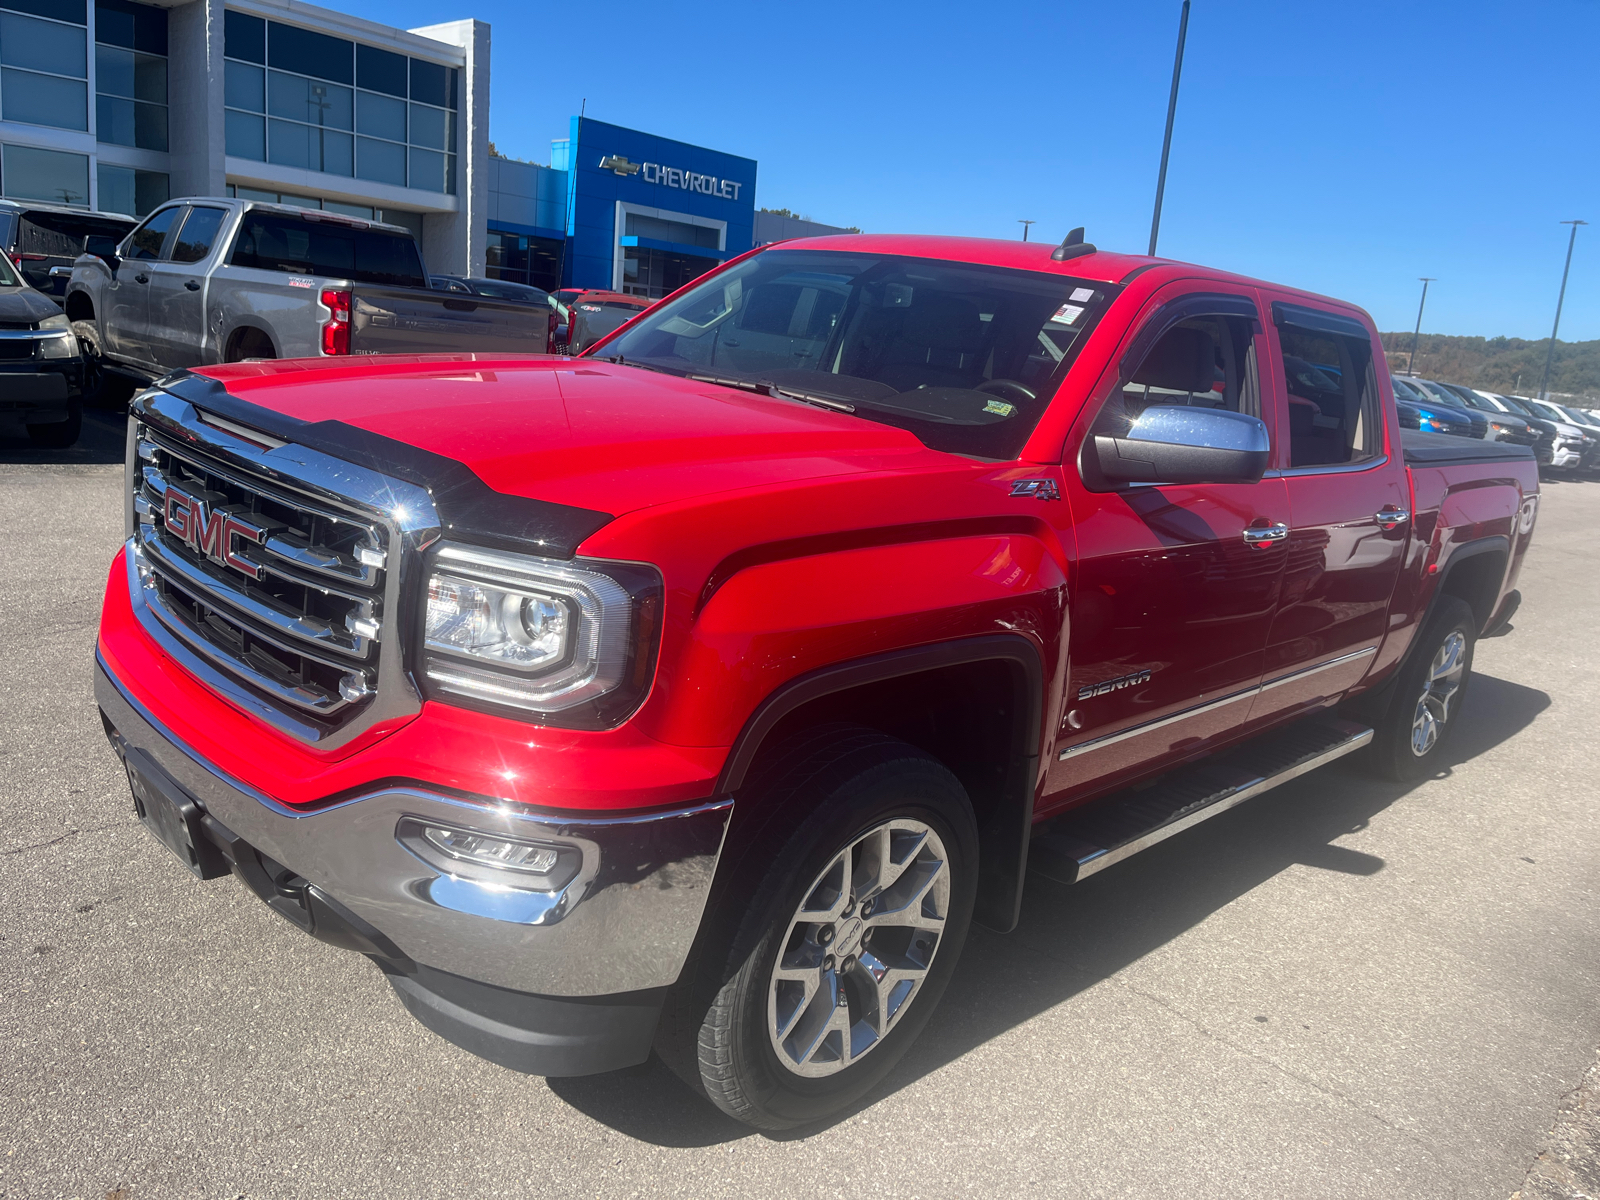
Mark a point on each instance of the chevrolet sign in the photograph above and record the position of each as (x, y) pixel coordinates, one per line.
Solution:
(619, 164)
(689, 181)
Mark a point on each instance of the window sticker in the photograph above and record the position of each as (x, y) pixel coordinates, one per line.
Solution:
(1067, 314)
(1000, 407)
(1079, 295)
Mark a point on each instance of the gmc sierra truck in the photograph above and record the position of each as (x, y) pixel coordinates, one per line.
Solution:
(222, 280)
(694, 694)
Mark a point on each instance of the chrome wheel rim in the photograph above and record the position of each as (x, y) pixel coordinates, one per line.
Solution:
(858, 948)
(1439, 692)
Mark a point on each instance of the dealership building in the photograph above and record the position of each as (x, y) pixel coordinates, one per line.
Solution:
(118, 106)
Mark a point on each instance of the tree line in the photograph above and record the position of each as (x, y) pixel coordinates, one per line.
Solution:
(1499, 364)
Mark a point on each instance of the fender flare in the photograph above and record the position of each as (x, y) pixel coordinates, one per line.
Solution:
(1377, 699)
(1004, 832)
(1496, 543)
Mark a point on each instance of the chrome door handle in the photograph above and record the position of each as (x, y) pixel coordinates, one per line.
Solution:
(1264, 537)
(1391, 518)
(192, 284)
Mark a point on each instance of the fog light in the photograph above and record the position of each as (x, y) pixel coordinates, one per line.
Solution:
(489, 857)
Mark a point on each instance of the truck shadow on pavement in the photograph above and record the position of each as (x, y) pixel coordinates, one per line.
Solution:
(1071, 938)
(102, 443)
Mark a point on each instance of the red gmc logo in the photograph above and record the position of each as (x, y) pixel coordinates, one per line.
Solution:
(211, 531)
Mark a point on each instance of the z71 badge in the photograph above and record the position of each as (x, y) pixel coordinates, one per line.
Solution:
(1090, 690)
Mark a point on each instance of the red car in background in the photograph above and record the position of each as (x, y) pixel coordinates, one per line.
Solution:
(582, 316)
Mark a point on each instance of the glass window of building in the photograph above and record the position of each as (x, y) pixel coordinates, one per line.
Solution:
(44, 64)
(131, 191)
(519, 258)
(130, 74)
(304, 99)
(30, 173)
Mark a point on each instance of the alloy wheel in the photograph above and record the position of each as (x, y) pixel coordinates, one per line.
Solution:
(1439, 692)
(858, 948)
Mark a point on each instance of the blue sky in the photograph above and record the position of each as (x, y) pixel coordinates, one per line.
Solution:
(1343, 147)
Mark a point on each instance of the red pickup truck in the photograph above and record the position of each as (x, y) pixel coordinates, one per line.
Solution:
(696, 693)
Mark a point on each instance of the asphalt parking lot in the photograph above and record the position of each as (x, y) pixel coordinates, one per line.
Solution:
(1344, 988)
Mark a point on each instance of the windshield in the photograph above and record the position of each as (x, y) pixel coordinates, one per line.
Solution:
(965, 357)
(8, 276)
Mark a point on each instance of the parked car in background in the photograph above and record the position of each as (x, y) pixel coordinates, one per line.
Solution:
(43, 240)
(1433, 393)
(596, 315)
(218, 280)
(1586, 429)
(603, 312)
(41, 370)
(1589, 422)
(537, 299)
(1504, 426)
(1567, 443)
(1417, 412)
(498, 289)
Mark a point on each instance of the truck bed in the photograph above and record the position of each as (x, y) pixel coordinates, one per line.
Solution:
(1424, 449)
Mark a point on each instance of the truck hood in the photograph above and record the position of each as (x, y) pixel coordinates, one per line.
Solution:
(594, 435)
(25, 304)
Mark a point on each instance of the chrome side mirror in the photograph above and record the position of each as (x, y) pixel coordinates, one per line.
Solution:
(1178, 444)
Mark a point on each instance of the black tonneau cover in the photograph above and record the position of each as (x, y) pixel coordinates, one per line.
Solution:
(1442, 449)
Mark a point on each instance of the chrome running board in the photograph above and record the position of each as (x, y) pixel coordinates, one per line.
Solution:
(1091, 838)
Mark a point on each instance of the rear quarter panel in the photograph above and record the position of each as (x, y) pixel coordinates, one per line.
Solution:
(286, 307)
(1452, 507)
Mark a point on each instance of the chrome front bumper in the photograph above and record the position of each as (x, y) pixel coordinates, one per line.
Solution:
(625, 922)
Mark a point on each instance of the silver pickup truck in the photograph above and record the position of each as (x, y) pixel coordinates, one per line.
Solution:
(205, 281)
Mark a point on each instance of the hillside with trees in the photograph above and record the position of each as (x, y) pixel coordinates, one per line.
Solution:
(1500, 364)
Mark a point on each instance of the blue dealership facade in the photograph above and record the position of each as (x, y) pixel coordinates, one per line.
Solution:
(622, 210)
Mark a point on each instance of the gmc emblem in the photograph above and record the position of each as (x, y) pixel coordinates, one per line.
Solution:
(211, 531)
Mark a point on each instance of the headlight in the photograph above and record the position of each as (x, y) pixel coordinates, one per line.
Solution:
(571, 643)
(61, 344)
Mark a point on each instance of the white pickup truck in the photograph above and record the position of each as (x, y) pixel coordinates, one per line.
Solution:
(204, 281)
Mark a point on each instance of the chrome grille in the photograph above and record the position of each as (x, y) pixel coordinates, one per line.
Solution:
(270, 583)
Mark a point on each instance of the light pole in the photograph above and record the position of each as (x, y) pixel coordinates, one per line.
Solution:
(1166, 142)
(1024, 225)
(1412, 361)
(1544, 382)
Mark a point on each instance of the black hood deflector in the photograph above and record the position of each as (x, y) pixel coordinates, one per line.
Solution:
(468, 507)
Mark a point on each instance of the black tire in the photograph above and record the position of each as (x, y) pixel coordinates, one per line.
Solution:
(1401, 750)
(830, 791)
(58, 435)
(102, 388)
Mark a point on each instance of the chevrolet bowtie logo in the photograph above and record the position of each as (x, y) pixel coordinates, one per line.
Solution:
(619, 164)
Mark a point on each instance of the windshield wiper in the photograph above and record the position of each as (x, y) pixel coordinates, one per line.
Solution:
(772, 389)
(644, 366)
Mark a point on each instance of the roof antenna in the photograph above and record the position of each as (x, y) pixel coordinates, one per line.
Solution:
(1072, 246)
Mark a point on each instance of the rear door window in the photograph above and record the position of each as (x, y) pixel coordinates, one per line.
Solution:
(198, 234)
(1335, 418)
(272, 242)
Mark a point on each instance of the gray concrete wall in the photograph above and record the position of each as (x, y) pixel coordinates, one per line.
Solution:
(198, 144)
(770, 227)
(457, 243)
(528, 194)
